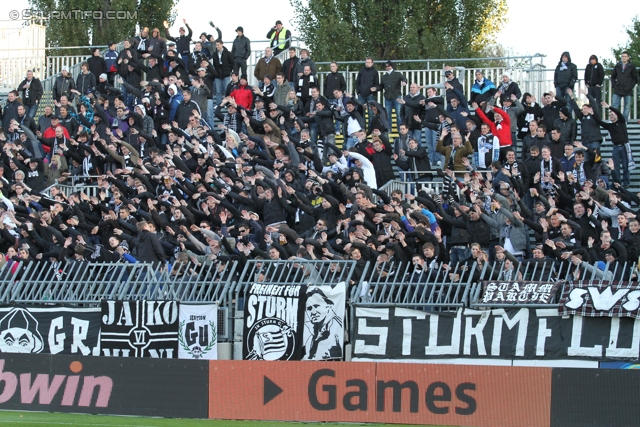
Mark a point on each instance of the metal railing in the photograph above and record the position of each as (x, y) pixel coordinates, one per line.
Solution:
(399, 284)
(86, 284)
(438, 287)
(535, 80)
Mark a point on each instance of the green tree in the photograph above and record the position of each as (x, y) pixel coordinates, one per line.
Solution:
(633, 44)
(78, 29)
(340, 30)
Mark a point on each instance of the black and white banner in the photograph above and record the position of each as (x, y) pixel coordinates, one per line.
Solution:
(273, 322)
(518, 292)
(198, 332)
(50, 330)
(399, 333)
(140, 329)
(621, 299)
(324, 322)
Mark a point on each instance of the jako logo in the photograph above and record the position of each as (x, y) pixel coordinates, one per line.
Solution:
(47, 388)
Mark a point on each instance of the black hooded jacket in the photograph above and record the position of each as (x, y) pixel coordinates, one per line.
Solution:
(566, 77)
(594, 74)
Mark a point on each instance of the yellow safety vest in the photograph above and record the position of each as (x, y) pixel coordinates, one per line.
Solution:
(282, 37)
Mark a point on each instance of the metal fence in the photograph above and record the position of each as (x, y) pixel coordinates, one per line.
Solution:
(443, 287)
(532, 77)
(73, 184)
(436, 288)
(535, 80)
(86, 284)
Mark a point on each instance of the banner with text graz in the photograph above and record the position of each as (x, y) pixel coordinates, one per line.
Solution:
(398, 333)
(139, 329)
(198, 332)
(273, 322)
(50, 330)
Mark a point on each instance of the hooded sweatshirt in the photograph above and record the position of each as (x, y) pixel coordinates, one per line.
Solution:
(566, 74)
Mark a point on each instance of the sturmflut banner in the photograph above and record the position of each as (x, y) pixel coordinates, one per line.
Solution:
(525, 333)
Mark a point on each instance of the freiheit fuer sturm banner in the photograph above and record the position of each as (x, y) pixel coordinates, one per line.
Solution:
(294, 322)
(399, 333)
(273, 322)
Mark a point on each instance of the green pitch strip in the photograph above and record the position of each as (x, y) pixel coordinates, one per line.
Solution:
(41, 419)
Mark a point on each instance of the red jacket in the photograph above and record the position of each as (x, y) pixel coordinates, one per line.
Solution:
(243, 96)
(50, 133)
(503, 130)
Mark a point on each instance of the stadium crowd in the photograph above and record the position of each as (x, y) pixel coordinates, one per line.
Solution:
(193, 164)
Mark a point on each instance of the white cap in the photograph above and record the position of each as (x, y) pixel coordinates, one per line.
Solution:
(103, 76)
(65, 68)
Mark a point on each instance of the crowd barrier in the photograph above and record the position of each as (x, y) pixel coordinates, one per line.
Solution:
(369, 392)
(538, 312)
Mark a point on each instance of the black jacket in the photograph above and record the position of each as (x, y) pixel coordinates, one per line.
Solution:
(392, 85)
(589, 128)
(332, 81)
(566, 78)
(367, 78)
(618, 130)
(478, 231)
(594, 74)
(63, 86)
(184, 111)
(412, 107)
(97, 66)
(289, 69)
(149, 248)
(624, 81)
(223, 63)
(33, 94)
(85, 82)
(241, 49)
(182, 42)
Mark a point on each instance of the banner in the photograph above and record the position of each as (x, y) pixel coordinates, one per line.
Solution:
(50, 330)
(139, 329)
(324, 322)
(400, 333)
(519, 292)
(381, 393)
(104, 385)
(273, 322)
(621, 299)
(198, 332)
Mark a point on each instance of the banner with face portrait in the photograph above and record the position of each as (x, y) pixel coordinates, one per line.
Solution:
(323, 337)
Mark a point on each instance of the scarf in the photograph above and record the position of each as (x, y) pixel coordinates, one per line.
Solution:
(504, 86)
(578, 172)
(543, 169)
(505, 233)
(452, 157)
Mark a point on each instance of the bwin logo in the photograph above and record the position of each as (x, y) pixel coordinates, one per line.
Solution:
(47, 387)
